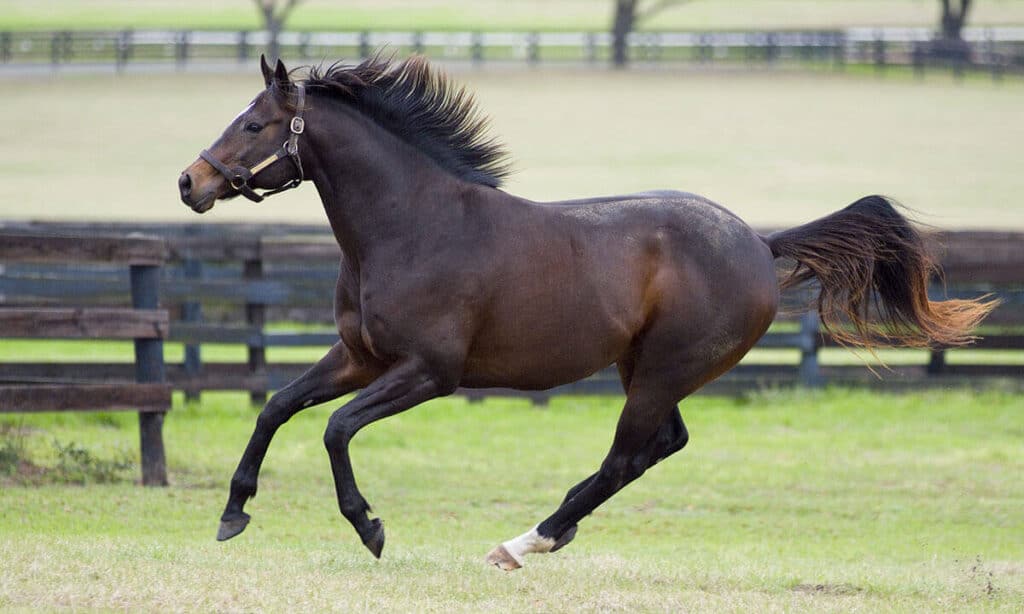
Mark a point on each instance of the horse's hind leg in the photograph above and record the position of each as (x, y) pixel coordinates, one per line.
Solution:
(644, 436)
(625, 367)
(333, 376)
(671, 437)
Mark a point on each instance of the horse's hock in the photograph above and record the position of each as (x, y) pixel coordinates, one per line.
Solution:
(44, 262)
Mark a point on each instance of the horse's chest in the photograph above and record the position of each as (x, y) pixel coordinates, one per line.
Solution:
(349, 317)
(364, 328)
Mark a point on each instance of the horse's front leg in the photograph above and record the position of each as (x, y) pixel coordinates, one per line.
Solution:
(333, 376)
(407, 384)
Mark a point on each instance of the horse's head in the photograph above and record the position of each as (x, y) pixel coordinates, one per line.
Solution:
(259, 148)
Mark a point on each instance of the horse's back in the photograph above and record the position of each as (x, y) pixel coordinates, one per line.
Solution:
(595, 274)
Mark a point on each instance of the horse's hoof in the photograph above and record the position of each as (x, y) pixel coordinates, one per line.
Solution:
(502, 559)
(565, 538)
(375, 543)
(232, 527)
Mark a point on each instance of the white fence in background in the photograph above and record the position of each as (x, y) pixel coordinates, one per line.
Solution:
(998, 49)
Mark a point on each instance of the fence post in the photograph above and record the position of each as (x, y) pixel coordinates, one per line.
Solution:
(533, 47)
(477, 47)
(653, 47)
(149, 367)
(705, 49)
(771, 50)
(839, 51)
(243, 46)
(5, 47)
(55, 45)
(192, 311)
(992, 56)
(364, 44)
(417, 42)
(810, 340)
(749, 40)
(590, 47)
(256, 315)
(181, 49)
(918, 57)
(936, 362)
(304, 39)
(879, 48)
(123, 49)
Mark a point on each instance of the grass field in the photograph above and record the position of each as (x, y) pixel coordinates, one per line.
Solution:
(833, 501)
(489, 14)
(779, 148)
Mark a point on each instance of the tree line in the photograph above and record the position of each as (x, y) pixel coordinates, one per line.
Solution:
(628, 15)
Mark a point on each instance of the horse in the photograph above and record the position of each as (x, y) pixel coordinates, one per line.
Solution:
(445, 280)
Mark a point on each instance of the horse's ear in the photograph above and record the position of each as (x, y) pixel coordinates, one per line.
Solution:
(268, 73)
(284, 83)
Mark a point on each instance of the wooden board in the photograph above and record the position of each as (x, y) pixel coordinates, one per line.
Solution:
(15, 247)
(77, 397)
(83, 323)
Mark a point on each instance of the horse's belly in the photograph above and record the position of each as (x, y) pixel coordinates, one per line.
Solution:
(537, 351)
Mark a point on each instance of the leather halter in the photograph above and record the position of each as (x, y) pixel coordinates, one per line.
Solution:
(240, 176)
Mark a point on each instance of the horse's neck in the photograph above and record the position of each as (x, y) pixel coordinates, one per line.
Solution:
(373, 185)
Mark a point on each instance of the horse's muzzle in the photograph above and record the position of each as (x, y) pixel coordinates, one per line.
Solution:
(185, 186)
(185, 189)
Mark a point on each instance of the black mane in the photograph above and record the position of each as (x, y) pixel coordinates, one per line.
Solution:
(422, 107)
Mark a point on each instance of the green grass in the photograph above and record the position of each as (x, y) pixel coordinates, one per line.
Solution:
(779, 148)
(35, 350)
(831, 501)
(487, 14)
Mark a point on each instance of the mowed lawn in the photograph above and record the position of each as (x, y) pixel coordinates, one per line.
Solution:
(779, 148)
(831, 501)
(490, 14)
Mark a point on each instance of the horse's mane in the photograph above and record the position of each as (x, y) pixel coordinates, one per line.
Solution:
(422, 107)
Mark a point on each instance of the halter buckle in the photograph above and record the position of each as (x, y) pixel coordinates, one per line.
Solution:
(238, 182)
(298, 125)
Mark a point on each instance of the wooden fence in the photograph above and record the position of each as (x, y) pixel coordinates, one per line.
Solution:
(225, 282)
(62, 387)
(997, 50)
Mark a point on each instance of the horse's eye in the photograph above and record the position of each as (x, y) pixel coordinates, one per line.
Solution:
(253, 127)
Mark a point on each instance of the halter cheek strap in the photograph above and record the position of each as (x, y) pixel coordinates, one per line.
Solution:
(240, 176)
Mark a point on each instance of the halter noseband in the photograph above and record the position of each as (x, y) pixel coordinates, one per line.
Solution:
(239, 176)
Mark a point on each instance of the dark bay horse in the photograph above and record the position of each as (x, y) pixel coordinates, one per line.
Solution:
(447, 281)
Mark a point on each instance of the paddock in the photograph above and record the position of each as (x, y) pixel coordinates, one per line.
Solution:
(785, 500)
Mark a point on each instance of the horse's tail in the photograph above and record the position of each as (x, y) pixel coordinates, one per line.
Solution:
(869, 260)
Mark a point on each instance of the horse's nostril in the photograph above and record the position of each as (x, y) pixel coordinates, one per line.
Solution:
(185, 184)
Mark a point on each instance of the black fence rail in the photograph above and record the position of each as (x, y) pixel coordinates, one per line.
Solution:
(223, 284)
(997, 50)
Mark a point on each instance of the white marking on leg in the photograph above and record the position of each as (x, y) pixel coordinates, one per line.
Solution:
(528, 542)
